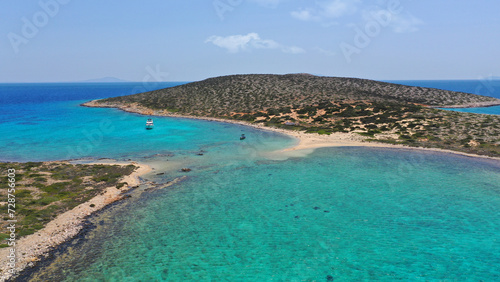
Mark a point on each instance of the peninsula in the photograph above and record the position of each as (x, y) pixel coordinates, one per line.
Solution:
(372, 111)
(53, 200)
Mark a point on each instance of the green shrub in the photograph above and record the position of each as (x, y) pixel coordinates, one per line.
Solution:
(23, 193)
(26, 232)
(324, 131)
(273, 112)
(56, 187)
(40, 179)
(46, 200)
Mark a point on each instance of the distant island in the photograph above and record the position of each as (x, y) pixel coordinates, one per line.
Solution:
(372, 110)
(105, 79)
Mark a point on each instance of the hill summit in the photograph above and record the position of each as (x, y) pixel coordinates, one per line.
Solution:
(257, 92)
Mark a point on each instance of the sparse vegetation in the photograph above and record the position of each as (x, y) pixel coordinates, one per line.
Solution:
(45, 190)
(258, 92)
(384, 112)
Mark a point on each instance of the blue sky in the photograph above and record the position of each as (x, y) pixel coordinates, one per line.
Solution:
(169, 40)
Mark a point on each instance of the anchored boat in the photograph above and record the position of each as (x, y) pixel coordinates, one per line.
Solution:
(242, 137)
(149, 124)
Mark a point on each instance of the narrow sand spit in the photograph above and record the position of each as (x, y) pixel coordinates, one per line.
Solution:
(65, 226)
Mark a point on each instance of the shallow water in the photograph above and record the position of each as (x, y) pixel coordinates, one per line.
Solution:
(247, 214)
(351, 213)
(65, 130)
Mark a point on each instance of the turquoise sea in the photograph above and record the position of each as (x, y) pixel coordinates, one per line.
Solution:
(336, 214)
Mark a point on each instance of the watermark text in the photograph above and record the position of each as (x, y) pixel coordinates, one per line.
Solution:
(11, 221)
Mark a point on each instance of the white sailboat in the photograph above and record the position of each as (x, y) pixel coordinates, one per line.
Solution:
(149, 124)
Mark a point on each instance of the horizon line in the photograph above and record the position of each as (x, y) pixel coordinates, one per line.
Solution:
(188, 81)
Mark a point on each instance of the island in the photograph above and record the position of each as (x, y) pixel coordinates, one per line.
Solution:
(57, 197)
(358, 110)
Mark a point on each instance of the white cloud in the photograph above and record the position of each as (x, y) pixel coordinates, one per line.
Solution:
(233, 43)
(404, 24)
(304, 15)
(327, 10)
(399, 23)
(268, 3)
(324, 51)
(237, 43)
(339, 8)
(292, 49)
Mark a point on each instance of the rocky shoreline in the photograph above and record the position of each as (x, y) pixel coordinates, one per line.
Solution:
(35, 247)
(472, 105)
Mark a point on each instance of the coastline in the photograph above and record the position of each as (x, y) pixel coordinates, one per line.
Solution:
(35, 247)
(305, 140)
(471, 105)
(64, 227)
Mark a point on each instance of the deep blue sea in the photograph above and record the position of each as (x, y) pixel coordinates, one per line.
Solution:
(246, 214)
(485, 87)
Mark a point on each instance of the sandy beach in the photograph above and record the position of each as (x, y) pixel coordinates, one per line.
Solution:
(305, 141)
(36, 246)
